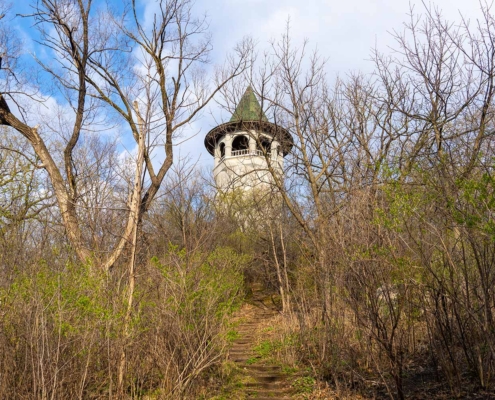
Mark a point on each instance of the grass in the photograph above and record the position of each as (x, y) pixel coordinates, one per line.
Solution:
(304, 384)
(288, 370)
(251, 360)
(232, 335)
(234, 384)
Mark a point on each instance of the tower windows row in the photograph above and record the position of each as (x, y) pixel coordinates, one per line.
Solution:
(241, 142)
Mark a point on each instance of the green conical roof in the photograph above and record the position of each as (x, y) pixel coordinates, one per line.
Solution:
(249, 108)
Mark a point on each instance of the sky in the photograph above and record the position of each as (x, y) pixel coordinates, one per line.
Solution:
(343, 31)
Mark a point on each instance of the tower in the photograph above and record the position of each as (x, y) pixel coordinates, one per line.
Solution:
(246, 146)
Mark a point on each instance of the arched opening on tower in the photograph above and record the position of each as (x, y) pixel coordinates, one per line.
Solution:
(222, 150)
(240, 143)
(264, 145)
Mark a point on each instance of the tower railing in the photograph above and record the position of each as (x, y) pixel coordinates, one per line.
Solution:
(245, 152)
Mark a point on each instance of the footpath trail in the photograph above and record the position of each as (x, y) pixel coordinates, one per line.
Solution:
(261, 378)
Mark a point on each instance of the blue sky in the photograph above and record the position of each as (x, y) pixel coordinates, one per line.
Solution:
(344, 31)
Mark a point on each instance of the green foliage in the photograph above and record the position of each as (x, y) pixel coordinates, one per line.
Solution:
(286, 369)
(265, 348)
(252, 360)
(400, 203)
(75, 313)
(474, 204)
(200, 285)
(199, 290)
(73, 298)
(304, 384)
(59, 319)
(232, 335)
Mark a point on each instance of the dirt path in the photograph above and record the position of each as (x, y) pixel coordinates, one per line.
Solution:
(261, 379)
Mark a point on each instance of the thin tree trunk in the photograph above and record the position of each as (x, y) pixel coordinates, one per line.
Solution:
(279, 273)
(135, 208)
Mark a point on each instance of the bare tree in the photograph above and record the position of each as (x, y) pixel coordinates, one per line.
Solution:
(382, 179)
(110, 60)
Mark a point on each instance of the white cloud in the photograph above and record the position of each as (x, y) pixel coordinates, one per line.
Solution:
(343, 30)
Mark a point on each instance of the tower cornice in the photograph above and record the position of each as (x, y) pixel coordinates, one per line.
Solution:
(277, 132)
